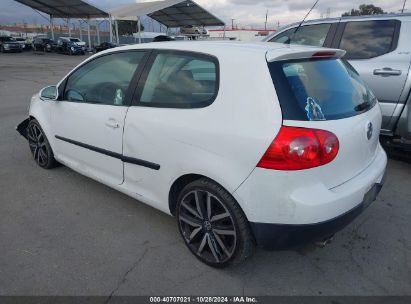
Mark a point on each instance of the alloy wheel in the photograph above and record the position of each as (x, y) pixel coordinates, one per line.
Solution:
(207, 227)
(38, 146)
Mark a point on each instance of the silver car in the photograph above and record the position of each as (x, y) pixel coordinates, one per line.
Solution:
(379, 48)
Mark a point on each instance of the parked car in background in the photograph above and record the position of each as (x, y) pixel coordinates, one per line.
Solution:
(189, 129)
(43, 44)
(9, 44)
(23, 42)
(104, 46)
(66, 46)
(193, 30)
(77, 41)
(379, 48)
(162, 38)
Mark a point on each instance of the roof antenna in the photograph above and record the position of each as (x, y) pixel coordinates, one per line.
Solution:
(301, 23)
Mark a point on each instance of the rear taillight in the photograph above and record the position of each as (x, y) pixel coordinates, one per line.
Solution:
(300, 148)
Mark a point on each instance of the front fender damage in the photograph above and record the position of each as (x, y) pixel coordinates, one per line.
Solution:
(22, 127)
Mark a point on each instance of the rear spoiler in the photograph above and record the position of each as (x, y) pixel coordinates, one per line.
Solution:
(293, 54)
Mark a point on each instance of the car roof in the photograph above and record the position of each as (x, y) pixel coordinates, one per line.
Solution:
(402, 16)
(216, 48)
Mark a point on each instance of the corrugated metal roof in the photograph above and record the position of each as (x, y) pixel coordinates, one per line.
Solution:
(66, 8)
(171, 13)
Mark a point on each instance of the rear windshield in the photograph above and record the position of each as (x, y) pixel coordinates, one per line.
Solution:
(324, 89)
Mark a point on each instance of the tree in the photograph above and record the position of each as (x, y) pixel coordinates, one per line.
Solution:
(365, 9)
(127, 28)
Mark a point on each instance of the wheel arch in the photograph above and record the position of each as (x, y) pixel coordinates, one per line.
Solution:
(177, 186)
(183, 181)
(42, 119)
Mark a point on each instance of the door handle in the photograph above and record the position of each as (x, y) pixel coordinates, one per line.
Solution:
(112, 124)
(385, 72)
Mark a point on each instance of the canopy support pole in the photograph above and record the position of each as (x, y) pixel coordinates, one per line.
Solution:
(110, 23)
(81, 29)
(117, 36)
(98, 32)
(139, 30)
(88, 33)
(52, 27)
(69, 28)
(224, 33)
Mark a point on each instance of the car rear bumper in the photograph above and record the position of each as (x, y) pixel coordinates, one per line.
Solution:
(283, 206)
(278, 236)
(78, 51)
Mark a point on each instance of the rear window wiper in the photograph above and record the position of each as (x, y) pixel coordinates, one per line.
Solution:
(363, 106)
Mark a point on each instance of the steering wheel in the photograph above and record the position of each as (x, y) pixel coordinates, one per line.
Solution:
(110, 93)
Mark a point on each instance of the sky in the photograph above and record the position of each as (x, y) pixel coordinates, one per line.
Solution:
(245, 12)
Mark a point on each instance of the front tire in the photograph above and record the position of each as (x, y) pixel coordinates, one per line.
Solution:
(212, 224)
(39, 146)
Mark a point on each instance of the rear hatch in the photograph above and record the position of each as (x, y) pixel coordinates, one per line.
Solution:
(325, 92)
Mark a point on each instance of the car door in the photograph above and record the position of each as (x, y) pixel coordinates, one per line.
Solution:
(374, 49)
(174, 90)
(88, 119)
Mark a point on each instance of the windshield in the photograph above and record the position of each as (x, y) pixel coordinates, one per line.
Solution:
(8, 39)
(74, 40)
(320, 89)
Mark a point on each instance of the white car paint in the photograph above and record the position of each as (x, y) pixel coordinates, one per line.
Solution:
(223, 141)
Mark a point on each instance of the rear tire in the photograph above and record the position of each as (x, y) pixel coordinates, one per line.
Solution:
(212, 224)
(39, 146)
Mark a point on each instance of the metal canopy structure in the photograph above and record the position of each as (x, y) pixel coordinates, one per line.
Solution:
(171, 13)
(66, 8)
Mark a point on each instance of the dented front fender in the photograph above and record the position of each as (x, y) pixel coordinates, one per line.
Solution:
(22, 127)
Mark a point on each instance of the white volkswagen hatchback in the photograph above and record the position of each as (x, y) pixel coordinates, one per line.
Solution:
(244, 144)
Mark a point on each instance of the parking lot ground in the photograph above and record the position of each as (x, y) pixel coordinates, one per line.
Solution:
(64, 234)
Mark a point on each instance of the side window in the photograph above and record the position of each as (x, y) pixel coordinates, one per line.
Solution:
(104, 80)
(181, 80)
(313, 35)
(368, 39)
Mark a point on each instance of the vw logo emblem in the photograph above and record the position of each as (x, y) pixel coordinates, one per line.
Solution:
(369, 130)
(207, 225)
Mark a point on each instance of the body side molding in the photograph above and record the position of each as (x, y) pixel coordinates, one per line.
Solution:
(123, 158)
